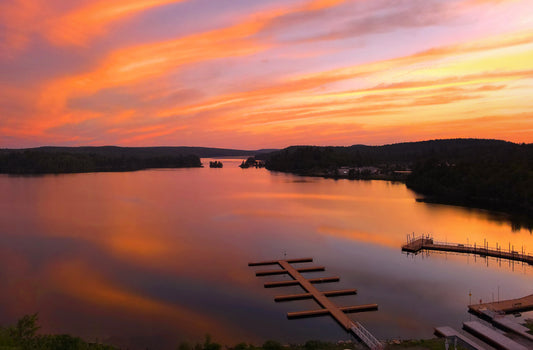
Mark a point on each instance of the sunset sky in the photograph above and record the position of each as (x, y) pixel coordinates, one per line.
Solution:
(263, 73)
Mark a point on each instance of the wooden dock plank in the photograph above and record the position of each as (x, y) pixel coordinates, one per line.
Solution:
(282, 272)
(275, 262)
(329, 308)
(322, 300)
(322, 312)
(295, 282)
(331, 293)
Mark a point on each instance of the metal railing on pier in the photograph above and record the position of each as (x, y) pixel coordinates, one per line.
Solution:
(425, 242)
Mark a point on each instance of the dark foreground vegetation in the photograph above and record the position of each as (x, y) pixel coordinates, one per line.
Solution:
(24, 336)
(529, 324)
(426, 344)
(488, 174)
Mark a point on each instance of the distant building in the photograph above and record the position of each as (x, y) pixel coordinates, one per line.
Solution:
(343, 171)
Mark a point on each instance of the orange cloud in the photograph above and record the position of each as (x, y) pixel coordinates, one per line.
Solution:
(22, 19)
(512, 127)
(483, 2)
(147, 134)
(306, 83)
(317, 5)
(82, 24)
(444, 82)
(134, 65)
(17, 22)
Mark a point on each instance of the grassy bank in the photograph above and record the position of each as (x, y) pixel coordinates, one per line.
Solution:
(24, 336)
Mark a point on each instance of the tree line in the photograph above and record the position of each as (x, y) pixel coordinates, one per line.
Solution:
(42, 162)
(483, 173)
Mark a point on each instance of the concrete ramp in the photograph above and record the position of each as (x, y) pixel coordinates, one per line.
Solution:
(491, 336)
(448, 332)
(512, 326)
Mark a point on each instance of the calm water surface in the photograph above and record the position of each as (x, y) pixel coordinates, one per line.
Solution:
(149, 258)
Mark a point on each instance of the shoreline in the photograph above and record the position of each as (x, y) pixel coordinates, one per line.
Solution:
(518, 218)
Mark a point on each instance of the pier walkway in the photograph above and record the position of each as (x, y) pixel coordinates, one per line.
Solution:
(505, 306)
(416, 244)
(328, 308)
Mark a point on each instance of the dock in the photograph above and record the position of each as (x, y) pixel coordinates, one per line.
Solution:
(417, 244)
(495, 313)
(509, 306)
(322, 298)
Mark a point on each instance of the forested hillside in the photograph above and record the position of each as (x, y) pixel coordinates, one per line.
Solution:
(484, 173)
(42, 162)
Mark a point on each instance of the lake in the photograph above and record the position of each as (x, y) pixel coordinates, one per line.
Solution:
(151, 258)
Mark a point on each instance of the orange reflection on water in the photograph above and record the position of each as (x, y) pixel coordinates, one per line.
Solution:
(358, 236)
(137, 245)
(172, 246)
(80, 281)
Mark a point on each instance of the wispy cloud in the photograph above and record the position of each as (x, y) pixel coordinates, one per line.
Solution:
(287, 72)
(17, 23)
(80, 25)
(23, 19)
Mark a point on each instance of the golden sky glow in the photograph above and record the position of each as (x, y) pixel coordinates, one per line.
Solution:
(244, 74)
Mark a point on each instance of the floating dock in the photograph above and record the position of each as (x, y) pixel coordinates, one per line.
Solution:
(509, 306)
(415, 245)
(328, 308)
(495, 312)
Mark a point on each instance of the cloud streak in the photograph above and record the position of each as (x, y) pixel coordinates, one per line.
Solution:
(22, 19)
(328, 67)
(80, 26)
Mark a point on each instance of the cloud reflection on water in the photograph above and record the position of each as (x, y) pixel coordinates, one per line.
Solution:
(169, 249)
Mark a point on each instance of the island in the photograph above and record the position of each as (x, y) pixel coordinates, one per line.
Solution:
(215, 164)
(36, 161)
(252, 162)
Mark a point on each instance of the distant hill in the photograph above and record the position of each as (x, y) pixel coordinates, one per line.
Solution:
(483, 173)
(303, 159)
(202, 152)
(55, 160)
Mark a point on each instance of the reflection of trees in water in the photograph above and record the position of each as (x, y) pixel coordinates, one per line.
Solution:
(522, 222)
(487, 174)
(517, 220)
